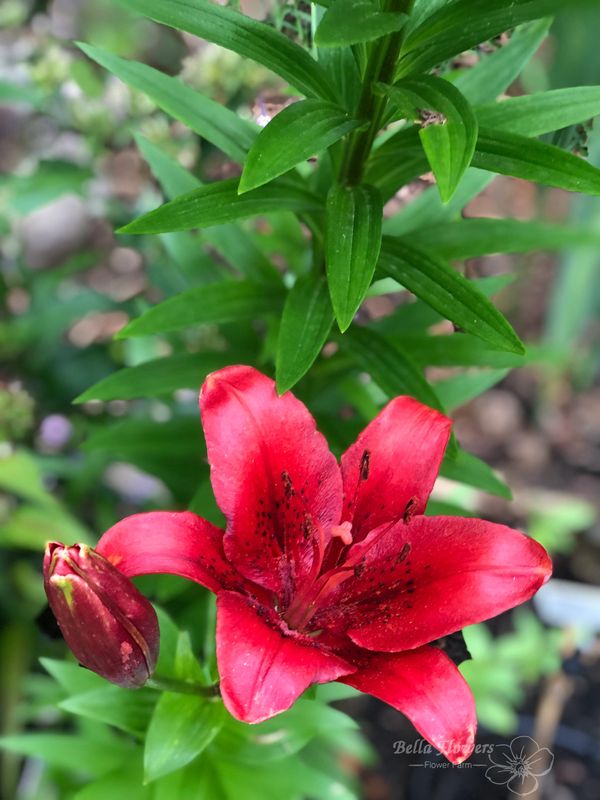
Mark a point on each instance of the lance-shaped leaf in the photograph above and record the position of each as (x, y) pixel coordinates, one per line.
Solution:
(173, 178)
(184, 248)
(230, 240)
(183, 725)
(511, 154)
(397, 162)
(305, 324)
(213, 121)
(391, 368)
(218, 203)
(445, 290)
(218, 302)
(474, 237)
(427, 208)
(64, 749)
(495, 72)
(411, 318)
(342, 67)
(353, 21)
(243, 35)
(171, 451)
(458, 26)
(448, 126)
(460, 389)
(296, 133)
(159, 376)
(128, 711)
(542, 112)
(353, 239)
(457, 350)
(466, 468)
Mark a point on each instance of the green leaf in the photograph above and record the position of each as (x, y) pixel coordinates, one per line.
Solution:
(71, 677)
(353, 239)
(185, 249)
(495, 72)
(173, 178)
(159, 376)
(543, 112)
(30, 526)
(353, 21)
(68, 751)
(573, 308)
(281, 736)
(428, 209)
(129, 711)
(169, 642)
(457, 350)
(289, 778)
(417, 317)
(186, 666)
(460, 25)
(199, 780)
(441, 508)
(474, 237)
(341, 66)
(293, 135)
(243, 35)
(20, 475)
(22, 194)
(16, 94)
(183, 725)
(460, 389)
(231, 241)
(305, 324)
(213, 121)
(172, 451)
(238, 248)
(125, 782)
(510, 154)
(467, 468)
(389, 366)
(219, 202)
(396, 163)
(229, 301)
(448, 129)
(448, 292)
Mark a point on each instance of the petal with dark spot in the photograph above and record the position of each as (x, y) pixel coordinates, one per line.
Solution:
(263, 668)
(273, 476)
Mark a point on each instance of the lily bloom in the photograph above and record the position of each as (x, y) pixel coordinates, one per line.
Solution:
(332, 572)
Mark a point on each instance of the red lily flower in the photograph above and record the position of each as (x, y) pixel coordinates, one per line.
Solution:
(333, 574)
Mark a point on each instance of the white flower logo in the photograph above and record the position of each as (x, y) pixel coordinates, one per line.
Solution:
(518, 765)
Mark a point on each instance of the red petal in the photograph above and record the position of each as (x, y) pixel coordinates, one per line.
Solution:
(273, 476)
(263, 670)
(393, 463)
(424, 580)
(177, 543)
(424, 685)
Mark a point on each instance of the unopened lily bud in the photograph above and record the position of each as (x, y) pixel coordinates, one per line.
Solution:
(109, 625)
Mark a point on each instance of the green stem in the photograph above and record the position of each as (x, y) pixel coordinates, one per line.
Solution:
(164, 684)
(380, 67)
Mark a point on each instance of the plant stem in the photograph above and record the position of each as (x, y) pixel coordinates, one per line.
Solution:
(164, 684)
(380, 67)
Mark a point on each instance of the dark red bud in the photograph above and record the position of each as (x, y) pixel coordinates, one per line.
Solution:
(109, 625)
